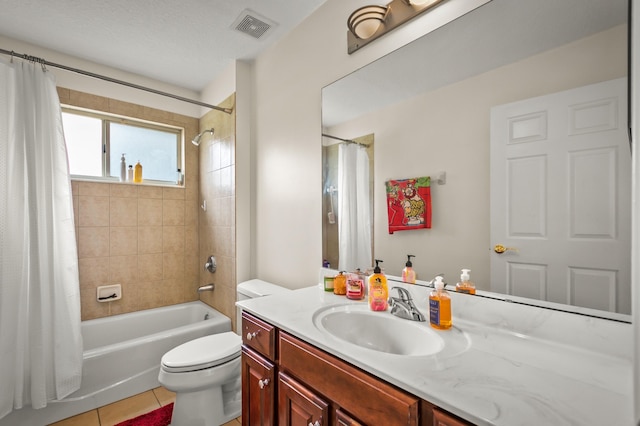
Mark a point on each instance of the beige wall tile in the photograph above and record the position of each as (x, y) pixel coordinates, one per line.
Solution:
(150, 267)
(149, 212)
(123, 240)
(172, 212)
(123, 190)
(123, 269)
(93, 241)
(173, 266)
(149, 239)
(150, 192)
(94, 270)
(173, 239)
(93, 188)
(123, 211)
(173, 193)
(93, 211)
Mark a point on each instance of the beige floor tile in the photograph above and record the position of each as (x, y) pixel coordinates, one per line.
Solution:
(90, 418)
(165, 397)
(127, 408)
(234, 422)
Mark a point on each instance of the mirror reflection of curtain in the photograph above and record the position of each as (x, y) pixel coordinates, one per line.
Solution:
(40, 335)
(354, 212)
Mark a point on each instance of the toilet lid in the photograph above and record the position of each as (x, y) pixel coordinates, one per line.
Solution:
(205, 352)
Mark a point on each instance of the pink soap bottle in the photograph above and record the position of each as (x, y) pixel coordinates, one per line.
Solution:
(378, 290)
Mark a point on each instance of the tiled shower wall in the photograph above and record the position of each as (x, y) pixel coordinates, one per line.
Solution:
(217, 225)
(142, 237)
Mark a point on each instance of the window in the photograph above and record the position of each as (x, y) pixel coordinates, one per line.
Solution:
(96, 142)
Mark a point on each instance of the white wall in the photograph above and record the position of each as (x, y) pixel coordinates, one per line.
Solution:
(287, 131)
(99, 87)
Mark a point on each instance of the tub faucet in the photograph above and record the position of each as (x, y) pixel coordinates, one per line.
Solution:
(403, 306)
(208, 287)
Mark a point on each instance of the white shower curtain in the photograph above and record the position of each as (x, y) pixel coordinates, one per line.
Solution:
(40, 341)
(354, 208)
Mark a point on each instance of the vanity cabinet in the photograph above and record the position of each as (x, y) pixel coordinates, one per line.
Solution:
(288, 382)
(259, 372)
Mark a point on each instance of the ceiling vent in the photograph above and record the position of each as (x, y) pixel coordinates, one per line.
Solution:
(253, 24)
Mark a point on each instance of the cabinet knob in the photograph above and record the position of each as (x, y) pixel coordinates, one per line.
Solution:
(252, 335)
(263, 383)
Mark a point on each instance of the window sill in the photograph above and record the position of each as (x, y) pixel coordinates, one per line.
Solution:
(116, 181)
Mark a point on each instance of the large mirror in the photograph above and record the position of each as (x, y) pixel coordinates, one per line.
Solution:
(520, 108)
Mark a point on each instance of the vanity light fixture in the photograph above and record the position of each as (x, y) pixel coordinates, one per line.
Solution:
(370, 22)
(365, 21)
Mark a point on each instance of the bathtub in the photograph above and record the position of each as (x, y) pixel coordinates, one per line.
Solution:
(122, 357)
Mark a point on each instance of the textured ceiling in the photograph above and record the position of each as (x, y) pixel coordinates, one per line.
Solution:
(183, 42)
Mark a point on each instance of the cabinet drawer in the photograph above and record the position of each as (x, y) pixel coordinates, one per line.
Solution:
(442, 418)
(259, 335)
(370, 400)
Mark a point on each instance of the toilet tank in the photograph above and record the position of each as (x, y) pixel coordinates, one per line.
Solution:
(252, 289)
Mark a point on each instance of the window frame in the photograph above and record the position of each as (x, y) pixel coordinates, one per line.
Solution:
(107, 118)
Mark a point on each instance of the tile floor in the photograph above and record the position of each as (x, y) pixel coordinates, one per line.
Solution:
(125, 409)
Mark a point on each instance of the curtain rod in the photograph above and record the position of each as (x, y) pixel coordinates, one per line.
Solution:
(111, 80)
(345, 140)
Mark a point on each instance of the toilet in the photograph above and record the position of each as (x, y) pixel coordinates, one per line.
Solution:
(205, 373)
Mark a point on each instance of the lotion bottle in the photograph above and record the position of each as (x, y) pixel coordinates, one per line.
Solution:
(440, 306)
(123, 169)
(466, 285)
(408, 274)
(130, 173)
(378, 290)
(137, 172)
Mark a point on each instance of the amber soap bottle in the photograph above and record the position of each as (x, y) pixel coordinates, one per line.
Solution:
(440, 306)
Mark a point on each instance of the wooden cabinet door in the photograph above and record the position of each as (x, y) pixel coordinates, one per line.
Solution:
(258, 390)
(298, 406)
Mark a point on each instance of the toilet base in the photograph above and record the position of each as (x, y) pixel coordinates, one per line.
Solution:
(206, 408)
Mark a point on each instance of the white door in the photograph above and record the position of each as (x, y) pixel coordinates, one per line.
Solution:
(560, 198)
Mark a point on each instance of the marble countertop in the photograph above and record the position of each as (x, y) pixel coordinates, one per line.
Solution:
(499, 377)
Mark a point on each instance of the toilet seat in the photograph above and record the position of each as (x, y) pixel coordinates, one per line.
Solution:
(205, 352)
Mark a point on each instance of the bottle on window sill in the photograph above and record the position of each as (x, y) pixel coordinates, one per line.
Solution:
(137, 173)
(130, 174)
(179, 177)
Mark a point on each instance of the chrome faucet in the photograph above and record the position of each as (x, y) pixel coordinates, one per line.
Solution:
(403, 306)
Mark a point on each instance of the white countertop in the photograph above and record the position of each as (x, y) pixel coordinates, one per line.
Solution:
(549, 371)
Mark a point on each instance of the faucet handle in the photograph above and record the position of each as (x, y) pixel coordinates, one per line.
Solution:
(405, 296)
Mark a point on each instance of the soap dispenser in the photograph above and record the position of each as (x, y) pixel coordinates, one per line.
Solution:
(408, 274)
(466, 285)
(378, 290)
(440, 306)
(123, 169)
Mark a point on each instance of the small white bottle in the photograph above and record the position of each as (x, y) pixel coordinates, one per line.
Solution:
(130, 174)
(123, 169)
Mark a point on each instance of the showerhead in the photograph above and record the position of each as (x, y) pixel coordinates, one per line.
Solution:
(196, 140)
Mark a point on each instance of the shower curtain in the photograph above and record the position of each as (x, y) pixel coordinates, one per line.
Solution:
(40, 340)
(354, 208)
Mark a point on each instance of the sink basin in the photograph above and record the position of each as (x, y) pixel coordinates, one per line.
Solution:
(379, 331)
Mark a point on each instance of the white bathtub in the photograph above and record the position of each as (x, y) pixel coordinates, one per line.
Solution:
(122, 357)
